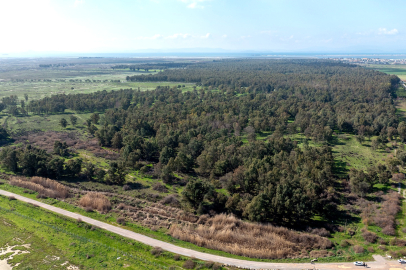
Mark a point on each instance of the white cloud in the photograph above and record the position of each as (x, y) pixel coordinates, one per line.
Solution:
(156, 36)
(224, 36)
(384, 31)
(179, 35)
(194, 3)
(78, 3)
(206, 36)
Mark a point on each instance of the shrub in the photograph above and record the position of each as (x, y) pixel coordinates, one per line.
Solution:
(320, 232)
(121, 220)
(126, 187)
(358, 249)
(159, 187)
(382, 241)
(370, 237)
(389, 230)
(96, 201)
(344, 243)
(12, 198)
(397, 242)
(370, 249)
(171, 200)
(189, 264)
(382, 247)
(176, 257)
(404, 230)
(156, 251)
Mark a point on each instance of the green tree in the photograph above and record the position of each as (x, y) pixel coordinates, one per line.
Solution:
(116, 173)
(95, 117)
(55, 168)
(90, 170)
(63, 122)
(117, 141)
(73, 167)
(196, 191)
(73, 120)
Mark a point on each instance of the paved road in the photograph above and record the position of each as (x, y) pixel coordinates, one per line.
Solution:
(379, 263)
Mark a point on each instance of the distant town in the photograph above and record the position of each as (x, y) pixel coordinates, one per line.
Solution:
(372, 61)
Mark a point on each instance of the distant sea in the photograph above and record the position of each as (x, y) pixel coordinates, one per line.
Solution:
(209, 55)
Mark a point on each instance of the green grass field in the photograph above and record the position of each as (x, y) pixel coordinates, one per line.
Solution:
(399, 70)
(56, 242)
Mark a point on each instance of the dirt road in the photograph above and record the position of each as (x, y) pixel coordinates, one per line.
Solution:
(379, 263)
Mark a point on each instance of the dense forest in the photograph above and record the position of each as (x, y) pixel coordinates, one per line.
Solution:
(206, 139)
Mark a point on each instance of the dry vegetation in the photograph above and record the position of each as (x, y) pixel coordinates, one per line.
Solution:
(229, 234)
(45, 187)
(384, 216)
(46, 140)
(95, 201)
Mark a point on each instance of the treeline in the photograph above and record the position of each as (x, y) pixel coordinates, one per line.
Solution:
(32, 161)
(99, 101)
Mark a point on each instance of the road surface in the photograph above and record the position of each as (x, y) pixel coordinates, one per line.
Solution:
(379, 263)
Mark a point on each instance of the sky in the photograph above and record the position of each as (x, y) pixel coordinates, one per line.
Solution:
(128, 26)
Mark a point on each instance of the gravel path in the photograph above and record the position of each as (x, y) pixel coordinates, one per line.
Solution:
(379, 263)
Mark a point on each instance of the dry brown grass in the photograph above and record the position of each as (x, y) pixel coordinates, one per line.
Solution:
(96, 201)
(45, 187)
(229, 234)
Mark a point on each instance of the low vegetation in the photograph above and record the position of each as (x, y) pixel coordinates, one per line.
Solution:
(95, 201)
(44, 187)
(227, 233)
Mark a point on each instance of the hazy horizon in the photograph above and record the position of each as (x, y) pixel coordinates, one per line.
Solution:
(90, 26)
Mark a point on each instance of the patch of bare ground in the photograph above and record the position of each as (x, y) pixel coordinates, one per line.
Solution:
(45, 140)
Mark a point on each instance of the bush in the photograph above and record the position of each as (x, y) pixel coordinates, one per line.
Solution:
(320, 232)
(389, 230)
(358, 249)
(370, 249)
(12, 198)
(95, 201)
(176, 257)
(370, 237)
(156, 251)
(159, 187)
(189, 264)
(121, 220)
(397, 242)
(382, 241)
(344, 243)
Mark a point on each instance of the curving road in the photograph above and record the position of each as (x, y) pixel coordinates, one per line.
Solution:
(379, 263)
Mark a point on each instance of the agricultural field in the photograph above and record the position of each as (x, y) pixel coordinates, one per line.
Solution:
(398, 70)
(28, 78)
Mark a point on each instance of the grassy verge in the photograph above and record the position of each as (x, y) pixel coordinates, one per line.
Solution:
(161, 235)
(54, 240)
